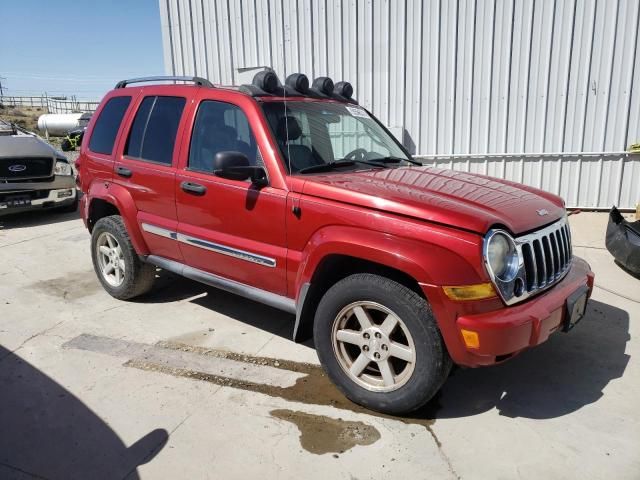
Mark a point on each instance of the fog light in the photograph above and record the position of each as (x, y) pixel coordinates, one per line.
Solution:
(65, 193)
(470, 292)
(471, 338)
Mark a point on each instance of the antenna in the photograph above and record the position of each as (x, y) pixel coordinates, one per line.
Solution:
(286, 129)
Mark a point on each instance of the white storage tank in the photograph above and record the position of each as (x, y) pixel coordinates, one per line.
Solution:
(59, 124)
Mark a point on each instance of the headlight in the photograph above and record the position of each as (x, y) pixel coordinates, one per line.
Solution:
(502, 256)
(63, 168)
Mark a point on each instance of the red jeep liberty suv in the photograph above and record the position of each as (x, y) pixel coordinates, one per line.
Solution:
(295, 196)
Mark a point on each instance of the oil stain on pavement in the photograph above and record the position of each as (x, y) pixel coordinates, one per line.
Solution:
(320, 434)
(71, 286)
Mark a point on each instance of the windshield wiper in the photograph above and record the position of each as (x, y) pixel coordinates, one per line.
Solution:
(392, 159)
(325, 167)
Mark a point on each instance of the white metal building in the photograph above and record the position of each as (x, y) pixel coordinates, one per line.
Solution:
(545, 92)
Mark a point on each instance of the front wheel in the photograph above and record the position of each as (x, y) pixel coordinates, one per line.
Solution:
(379, 343)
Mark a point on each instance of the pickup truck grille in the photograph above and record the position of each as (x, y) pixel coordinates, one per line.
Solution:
(17, 169)
(547, 255)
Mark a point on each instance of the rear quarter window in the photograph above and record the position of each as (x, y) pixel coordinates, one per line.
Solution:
(107, 126)
(153, 133)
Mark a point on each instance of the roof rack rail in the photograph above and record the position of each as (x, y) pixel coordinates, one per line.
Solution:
(197, 80)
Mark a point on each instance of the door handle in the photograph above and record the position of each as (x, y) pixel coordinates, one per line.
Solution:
(193, 188)
(124, 172)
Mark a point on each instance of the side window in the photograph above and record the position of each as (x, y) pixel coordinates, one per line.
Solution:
(220, 127)
(153, 133)
(107, 126)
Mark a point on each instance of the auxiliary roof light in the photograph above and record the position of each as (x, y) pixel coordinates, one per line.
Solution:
(266, 80)
(323, 85)
(299, 82)
(344, 89)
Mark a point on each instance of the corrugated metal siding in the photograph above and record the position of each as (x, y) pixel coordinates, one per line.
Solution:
(453, 78)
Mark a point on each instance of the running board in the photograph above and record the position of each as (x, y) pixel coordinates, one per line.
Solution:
(273, 300)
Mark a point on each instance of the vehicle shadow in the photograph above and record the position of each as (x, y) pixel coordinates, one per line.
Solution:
(626, 270)
(561, 376)
(47, 432)
(35, 219)
(171, 288)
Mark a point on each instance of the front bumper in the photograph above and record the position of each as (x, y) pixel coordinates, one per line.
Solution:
(26, 196)
(507, 331)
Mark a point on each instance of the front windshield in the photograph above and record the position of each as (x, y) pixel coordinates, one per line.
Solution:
(315, 135)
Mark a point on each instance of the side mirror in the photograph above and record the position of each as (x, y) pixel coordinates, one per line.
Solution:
(235, 166)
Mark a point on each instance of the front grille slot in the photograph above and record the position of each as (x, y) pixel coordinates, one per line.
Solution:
(547, 255)
(530, 265)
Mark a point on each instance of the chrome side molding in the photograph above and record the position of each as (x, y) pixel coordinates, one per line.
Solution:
(163, 232)
(211, 246)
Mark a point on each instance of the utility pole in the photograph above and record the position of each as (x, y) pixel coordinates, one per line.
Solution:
(1, 91)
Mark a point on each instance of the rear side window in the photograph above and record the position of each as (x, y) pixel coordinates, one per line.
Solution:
(107, 126)
(153, 133)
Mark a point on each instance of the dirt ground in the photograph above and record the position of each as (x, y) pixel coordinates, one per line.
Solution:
(26, 118)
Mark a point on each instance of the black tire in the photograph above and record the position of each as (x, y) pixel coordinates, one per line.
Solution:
(72, 207)
(432, 362)
(138, 276)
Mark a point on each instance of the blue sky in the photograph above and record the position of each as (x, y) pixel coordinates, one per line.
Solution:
(77, 48)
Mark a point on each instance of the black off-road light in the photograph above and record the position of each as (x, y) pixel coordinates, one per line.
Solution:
(266, 81)
(323, 85)
(299, 82)
(344, 89)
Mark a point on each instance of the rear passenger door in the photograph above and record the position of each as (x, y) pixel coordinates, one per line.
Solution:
(145, 166)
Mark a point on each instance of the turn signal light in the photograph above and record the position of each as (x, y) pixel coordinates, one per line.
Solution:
(471, 338)
(470, 292)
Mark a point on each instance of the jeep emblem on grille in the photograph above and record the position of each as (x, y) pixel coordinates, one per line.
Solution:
(17, 168)
(542, 212)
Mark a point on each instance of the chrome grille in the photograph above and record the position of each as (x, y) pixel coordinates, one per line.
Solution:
(546, 255)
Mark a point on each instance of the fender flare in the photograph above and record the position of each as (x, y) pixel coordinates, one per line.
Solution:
(413, 257)
(120, 197)
(376, 247)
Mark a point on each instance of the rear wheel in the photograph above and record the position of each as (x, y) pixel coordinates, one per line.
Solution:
(378, 341)
(116, 263)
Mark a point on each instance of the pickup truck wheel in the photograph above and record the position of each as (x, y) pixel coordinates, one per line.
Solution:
(122, 274)
(72, 207)
(379, 343)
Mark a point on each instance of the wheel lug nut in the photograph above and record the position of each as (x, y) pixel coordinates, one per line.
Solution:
(366, 335)
(376, 355)
(378, 335)
(384, 347)
(365, 348)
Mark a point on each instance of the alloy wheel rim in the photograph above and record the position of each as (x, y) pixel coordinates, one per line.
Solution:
(110, 259)
(373, 346)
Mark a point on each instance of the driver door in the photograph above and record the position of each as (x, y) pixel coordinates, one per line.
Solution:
(226, 227)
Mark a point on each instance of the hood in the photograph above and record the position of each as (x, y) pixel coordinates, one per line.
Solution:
(26, 146)
(462, 200)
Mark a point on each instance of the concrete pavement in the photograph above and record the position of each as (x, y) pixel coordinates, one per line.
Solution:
(191, 382)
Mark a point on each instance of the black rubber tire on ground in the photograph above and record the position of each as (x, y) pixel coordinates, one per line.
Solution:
(432, 365)
(138, 277)
(72, 207)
